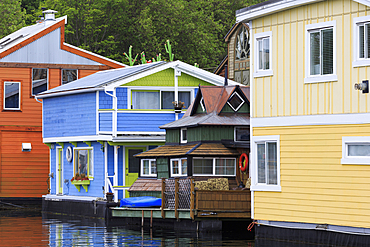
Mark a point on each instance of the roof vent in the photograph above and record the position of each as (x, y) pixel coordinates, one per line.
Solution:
(49, 15)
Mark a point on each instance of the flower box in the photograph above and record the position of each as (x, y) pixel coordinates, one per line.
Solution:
(78, 183)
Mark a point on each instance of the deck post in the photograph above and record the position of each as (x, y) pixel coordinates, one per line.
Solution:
(176, 198)
(163, 196)
(192, 193)
(142, 218)
(151, 218)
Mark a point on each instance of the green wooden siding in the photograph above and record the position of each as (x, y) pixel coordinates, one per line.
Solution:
(228, 109)
(157, 194)
(165, 78)
(210, 133)
(173, 136)
(162, 168)
(200, 109)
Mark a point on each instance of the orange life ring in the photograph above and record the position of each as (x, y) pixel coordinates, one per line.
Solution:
(243, 162)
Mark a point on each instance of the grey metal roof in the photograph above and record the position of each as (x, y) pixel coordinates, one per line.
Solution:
(101, 78)
(209, 119)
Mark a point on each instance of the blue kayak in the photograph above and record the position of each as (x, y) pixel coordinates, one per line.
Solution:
(140, 202)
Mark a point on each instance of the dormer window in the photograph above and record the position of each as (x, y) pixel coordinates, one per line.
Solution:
(242, 44)
(202, 104)
(235, 101)
(184, 137)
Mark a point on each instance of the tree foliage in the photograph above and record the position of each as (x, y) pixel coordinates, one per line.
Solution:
(12, 16)
(109, 27)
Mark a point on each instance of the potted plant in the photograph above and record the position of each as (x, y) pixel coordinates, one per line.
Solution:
(178, 105)
(109, 196)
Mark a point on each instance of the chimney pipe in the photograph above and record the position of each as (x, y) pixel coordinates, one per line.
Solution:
(225, 84)
(49, 15)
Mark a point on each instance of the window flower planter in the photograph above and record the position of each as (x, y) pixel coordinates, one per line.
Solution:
(79, 183)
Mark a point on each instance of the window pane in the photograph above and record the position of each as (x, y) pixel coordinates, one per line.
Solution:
(153, 167)
(359, 150)
(69, 75)
(145, 100)
(272, 162)
(261, 163)
(146, 167)
(39, 81)
(167, 99)
(327, 51)
(361, 37)
(367, 40)
(175, 167)
(225, 166)
(11, 92)
(185, 97)
(203, 166)
(315, 53)
(260, 56)
(266, 53)
(82, 162)
(184, 136)
(184, 166)
(242, 134)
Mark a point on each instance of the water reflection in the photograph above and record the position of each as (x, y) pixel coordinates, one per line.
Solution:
(35, 229)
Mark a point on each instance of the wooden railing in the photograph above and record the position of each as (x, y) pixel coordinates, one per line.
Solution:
(180, 194)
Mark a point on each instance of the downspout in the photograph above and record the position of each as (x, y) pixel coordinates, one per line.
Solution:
(114, 117)
(252, 159)
(177, 74)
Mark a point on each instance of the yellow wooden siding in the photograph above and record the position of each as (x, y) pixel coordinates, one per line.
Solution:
(285, 93)
(315, 186)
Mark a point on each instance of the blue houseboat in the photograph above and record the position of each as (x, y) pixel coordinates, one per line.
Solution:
(95, 125)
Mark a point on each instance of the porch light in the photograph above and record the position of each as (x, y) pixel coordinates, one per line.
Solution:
(364, 86)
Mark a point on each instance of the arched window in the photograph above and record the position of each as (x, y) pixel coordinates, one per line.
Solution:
(242, 44)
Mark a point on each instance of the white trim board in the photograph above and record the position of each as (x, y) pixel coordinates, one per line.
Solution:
(325, 119)
(77, 138)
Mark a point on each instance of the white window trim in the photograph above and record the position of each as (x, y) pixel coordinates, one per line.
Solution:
(320, 78)
(92, 159)
(47, 80)
(19, 98)
(201, 102)
(257, 72)
(241, 104)
(214, 167)
(150, 168)
(358, 62)
(254, 169)
(350, 160)
(181, 137)
(180, 168)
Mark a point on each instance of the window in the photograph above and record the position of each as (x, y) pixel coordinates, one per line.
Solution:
(69, 75)
(242, 134)
(242, 44)
(184, 137)
(148, 167)
(83, 162)
(235, 101)
(157, 99)
(320, 52)
(12, 95)
(39, 80)
(169, 97)
(361, 42)
(214, 166)
(356, 150)
(179, 167)
(263, 55)
(266, 163)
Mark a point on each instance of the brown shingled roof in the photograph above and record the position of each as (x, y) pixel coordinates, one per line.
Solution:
(142, 184)
(200, 149)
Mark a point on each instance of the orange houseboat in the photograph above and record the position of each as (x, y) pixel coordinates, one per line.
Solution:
(32, 60)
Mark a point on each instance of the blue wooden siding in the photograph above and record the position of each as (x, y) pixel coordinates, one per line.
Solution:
(105, 101)
(71, 115)
(121, 94)
(143, 121)
(105, 121)
(195, 92)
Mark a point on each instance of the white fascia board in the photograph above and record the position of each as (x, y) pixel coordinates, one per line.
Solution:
(272, 8)
(186, 68)
(364, 2)
(77, 138)
(95, 55)
(141, 133)
(310, 120)
(75, 91)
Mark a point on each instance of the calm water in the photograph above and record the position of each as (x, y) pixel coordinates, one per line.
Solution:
(31, 228)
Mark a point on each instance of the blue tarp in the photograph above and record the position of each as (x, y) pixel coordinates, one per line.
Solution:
(142, 201)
